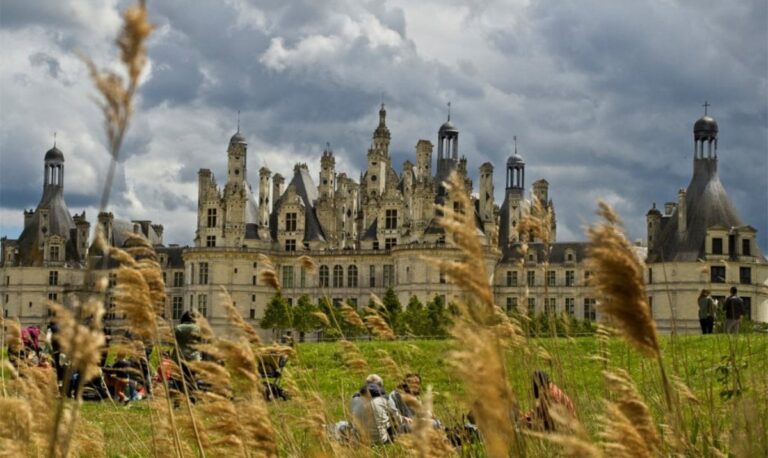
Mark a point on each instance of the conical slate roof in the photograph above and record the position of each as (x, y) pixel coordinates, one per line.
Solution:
(706, 205)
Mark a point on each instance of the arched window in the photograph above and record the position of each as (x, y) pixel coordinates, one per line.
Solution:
(352, 277)
(338, 276)
(324, 276)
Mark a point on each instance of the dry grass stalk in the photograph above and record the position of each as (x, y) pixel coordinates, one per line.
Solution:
(618, 278)
(353, 357)
(351, 316)
(536, 223)
(426, 441)
(619, 436)
(631, 405)
(391, 366)
(267, 272)
(308, 264)
(379, 327)
(242, 327)
(571, 436)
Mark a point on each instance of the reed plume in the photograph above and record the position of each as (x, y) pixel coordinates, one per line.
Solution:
(267, 272)
(618, 278)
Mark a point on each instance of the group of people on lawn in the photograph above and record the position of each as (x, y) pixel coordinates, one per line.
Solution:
(733, 309)
(379, 418)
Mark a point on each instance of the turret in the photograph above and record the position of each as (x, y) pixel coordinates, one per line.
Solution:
(423, 160)
(381, 135)
(327, 173)
(264, 175)
(485, 196)
(447, 148)
(653, 225)
(236, 159)
(277, 186)
(82, 230)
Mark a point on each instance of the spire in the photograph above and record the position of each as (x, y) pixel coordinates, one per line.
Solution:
(514, 138)
(449, 111)
(706, 106)
(382, 116)
(238, 121)
(54, 139)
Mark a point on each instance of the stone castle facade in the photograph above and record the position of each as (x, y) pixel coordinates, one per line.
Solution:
(375, 233)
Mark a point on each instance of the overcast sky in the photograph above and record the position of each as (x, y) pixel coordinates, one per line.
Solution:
(602, 96)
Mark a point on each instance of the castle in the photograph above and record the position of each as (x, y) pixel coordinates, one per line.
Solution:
(374, 234)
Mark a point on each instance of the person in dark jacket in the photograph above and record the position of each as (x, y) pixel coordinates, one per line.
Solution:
(706, 311)
(734, 311)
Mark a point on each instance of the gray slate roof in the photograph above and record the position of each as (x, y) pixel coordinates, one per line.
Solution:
(707, 204)
(307, 191)
(60, 222)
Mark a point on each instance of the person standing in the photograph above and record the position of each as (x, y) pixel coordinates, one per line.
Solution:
(734, 310)
(706, 311)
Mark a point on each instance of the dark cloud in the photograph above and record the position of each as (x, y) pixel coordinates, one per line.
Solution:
(602, 96)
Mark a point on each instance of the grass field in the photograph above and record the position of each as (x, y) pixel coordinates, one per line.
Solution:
(701, 362)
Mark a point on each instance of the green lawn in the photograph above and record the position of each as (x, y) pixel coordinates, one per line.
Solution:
(699, 361)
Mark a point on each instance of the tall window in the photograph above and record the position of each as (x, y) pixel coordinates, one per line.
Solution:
(441, 278)
(747, 307)
(202, 305)
(390, 219)
(372, 276)
(53, 253)
(352, 277)
(746, 247)
(203, 273)
(745, 275)
(511, 278)
(570, 278)
(178, 279)
(717, 274)
(324, 277)
(511, 304)
(587, 275)
(53, 297)
(570, 306)
(302, 277)
(388, 279)
(211, 217)
(290, 245)
(531, 277)
(53, 278)
(191, 273)
(177, 307)
(550, 278)
(287, 276)
(550, 305)
(531, 306)
(589, 309)
(290, 222)
(717, 245)
(111, 313)
(650, 275)
(338, 276)
(389, 243)
(210, 241)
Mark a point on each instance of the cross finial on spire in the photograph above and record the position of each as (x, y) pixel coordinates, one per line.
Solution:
(706, 105)
(238, 120)
(328, 146)
(449, 110)
(514, 138)
(54, 139)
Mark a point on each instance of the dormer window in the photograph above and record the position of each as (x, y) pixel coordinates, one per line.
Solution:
(746, 247)
(53, 253)
(291, 222)
(717, 245)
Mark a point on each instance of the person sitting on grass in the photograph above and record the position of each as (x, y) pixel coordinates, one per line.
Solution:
(411, 386)
(372, 412)
(547, 395)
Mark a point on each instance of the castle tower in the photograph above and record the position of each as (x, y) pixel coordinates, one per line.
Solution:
(381, 135)
(485, 197)
(236, 158)
(327, 173)
(512, 208)
(423, 160)
(378, 157)
(447, 148)
(264, 175)
(53, 178)
(653, 227)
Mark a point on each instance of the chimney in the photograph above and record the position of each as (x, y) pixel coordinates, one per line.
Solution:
(277, 186)
(28, 214)
(669, 207)
(682, 217)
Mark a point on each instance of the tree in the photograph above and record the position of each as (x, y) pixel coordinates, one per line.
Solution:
(393, 311)
(415, 318)
(278, 315)
(304, 320)
(439, 317)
